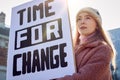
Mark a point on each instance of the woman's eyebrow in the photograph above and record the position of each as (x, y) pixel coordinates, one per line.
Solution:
(87, 15)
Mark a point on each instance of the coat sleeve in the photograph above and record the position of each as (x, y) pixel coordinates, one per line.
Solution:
(95, 67)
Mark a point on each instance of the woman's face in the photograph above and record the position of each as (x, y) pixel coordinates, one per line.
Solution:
(86, 25)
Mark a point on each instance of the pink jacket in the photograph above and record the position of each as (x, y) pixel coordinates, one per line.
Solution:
(92, 61)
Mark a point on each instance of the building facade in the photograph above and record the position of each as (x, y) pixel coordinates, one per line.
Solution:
(4, 39)
(115, 36)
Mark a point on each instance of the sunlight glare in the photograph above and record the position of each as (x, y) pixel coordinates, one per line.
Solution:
(74, 6)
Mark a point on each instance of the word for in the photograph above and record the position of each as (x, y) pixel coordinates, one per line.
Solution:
(40, 60)
(37, 34)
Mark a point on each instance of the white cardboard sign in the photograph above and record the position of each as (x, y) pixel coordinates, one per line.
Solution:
(40, 43)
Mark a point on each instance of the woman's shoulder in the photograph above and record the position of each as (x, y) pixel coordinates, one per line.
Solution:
(97, 43)
(103, 49)
(100, 47)
(103, 44)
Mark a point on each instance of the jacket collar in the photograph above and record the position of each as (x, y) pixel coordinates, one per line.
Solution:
(91, 42)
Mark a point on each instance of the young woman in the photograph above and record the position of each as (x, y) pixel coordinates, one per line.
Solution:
(93, 52)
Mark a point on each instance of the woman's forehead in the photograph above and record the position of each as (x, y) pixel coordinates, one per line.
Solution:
(84, 14)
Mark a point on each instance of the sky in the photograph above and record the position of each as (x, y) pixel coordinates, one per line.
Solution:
(6, 7)
(109, 10)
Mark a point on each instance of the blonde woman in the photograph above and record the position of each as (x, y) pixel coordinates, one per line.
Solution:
(93, 52)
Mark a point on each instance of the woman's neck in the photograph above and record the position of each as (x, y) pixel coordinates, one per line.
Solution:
(84, 38)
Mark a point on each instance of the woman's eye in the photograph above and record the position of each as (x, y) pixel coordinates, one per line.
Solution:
(78, 19)
(87, 17)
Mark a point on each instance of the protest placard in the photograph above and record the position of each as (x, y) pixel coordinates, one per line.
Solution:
(40, 43)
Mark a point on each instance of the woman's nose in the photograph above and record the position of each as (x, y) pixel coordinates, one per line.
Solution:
(82, 21)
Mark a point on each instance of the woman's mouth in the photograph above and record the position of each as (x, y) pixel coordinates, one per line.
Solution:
(83, 27)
